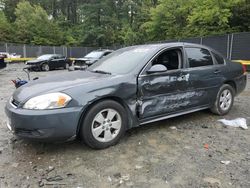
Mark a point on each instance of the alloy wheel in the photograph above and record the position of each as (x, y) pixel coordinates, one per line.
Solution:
(106, 125)
(225, 99)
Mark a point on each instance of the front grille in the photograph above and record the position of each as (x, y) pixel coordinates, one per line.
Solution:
(79, 63)
(15, 102)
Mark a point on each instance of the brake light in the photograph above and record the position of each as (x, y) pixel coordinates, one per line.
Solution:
(244, 67)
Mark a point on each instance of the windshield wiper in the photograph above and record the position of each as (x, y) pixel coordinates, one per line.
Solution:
(101, 72)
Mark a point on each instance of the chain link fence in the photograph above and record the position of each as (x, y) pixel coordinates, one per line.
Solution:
(31, 51)
(234, 46)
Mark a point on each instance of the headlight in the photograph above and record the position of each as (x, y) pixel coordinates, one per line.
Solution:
(48, 101)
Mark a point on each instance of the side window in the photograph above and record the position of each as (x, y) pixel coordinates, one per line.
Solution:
(220, 60)
(198, 57)
(171, 59)
(106, 53)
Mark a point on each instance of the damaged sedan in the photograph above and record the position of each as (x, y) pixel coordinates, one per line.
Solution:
(133, 86)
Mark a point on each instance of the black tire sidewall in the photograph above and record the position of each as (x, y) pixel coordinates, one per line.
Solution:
(43, 66)
(85, 131)
(224, 87)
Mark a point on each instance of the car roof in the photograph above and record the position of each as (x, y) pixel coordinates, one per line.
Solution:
(103, 50)
(53, 54)
(170, 44)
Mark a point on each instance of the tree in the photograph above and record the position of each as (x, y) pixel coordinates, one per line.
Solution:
(240, 21)
(209, 17)
(110, 22)
(168, 20)
(176, 19)
(34, 26)
(6, 33)
(9, 9)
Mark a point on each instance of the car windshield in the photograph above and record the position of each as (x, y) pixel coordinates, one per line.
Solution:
(122, 61)
(94, 55)
(44, 57)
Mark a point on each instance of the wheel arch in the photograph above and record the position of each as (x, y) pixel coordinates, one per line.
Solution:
(131, 121)
(44, 62)
(232, 84)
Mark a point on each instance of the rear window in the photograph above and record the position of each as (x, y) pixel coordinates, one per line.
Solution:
(220, 60)
(198, 57)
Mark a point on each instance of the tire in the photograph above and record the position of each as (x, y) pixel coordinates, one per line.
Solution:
(224, 100)
(45, 67)
(98, 131)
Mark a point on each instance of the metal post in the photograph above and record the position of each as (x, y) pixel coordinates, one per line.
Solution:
(201, 41)
(24, 51)
(86, 51)
(54, 49)
(231, 48)
(6, 47)
(40, 50)
(66, 51)
(228, 45)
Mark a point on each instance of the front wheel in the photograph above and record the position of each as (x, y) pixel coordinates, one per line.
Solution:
(45, 67)
(104, 124)
(224, 100)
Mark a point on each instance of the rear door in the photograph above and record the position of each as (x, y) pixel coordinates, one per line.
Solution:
(61, 61)
(54, 62)
(204, 75)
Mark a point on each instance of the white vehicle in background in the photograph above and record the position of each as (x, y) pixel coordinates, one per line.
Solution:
(9, 56)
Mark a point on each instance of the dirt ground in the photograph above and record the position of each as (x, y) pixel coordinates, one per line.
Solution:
(155, 155)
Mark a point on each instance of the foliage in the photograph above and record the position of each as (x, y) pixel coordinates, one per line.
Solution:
(5, 28)
(34, 26)
(110, 22)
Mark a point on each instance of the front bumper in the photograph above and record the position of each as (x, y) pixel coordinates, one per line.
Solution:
(77, 67)
(43, 125)
(34, 67)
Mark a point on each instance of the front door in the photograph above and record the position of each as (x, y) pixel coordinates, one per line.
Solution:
(166, 92)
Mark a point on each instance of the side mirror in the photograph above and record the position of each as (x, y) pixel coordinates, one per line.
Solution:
(157, 68)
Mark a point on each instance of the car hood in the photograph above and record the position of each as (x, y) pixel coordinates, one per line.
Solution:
(57, 83)
(83, 59)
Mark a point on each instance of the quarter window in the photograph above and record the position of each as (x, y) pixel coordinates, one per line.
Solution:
(198, 57)
(220, 60)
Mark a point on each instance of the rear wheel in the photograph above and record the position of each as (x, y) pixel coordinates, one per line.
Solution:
(45, 67)
(104, 124)
(224, 100)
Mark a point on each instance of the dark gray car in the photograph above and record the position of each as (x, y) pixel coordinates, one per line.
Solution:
(131, 87)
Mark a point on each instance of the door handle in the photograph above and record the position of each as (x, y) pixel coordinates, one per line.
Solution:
(217, 71)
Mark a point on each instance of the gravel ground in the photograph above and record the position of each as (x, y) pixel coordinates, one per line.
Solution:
(155, 155)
